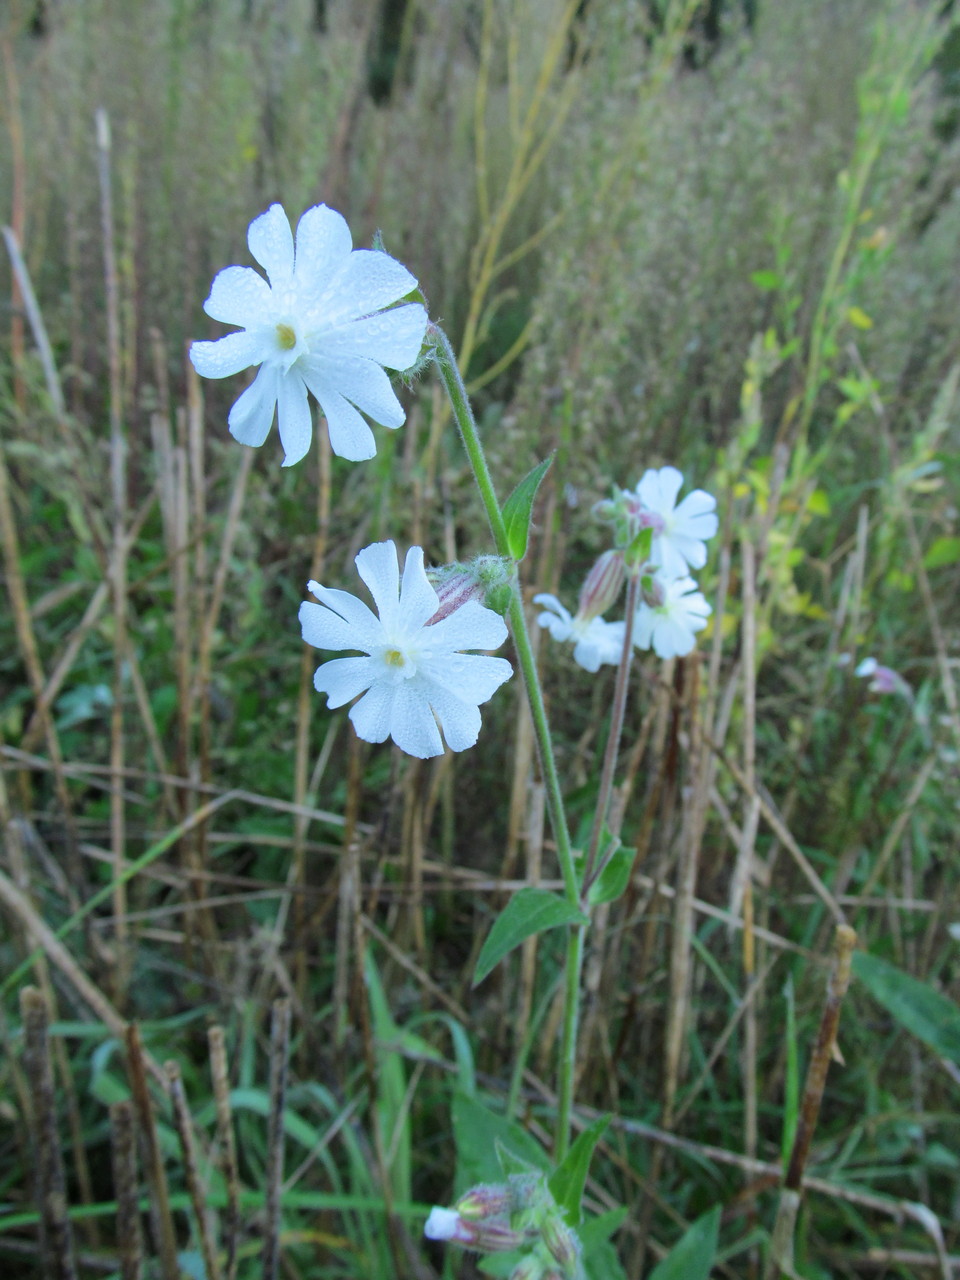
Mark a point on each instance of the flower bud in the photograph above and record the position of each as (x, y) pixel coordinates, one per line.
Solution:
(651, 590)
(485, 579)
(485, 1201)
(563, 1245)
(492, 1236)
(531, 1268)
(602, 586)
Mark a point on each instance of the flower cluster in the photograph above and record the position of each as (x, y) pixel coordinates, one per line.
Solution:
(326, 322)
(672, 610)
(519, 1214)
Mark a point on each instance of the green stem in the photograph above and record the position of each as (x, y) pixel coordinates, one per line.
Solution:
(466, 425)
(590, 869)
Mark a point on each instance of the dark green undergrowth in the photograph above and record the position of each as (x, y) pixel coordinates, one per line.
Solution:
(738, 255)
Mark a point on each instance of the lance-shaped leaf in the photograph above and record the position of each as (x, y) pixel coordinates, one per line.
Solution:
(528, 912)
(518, 509)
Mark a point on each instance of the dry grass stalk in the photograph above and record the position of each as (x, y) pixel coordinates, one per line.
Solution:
(279, 1059)
(228, 1147)
(161, 1219)
(118, 581)
(780, 1259)
(191, 1168)
(56, 1234)
(742, 888)
(129, 1238)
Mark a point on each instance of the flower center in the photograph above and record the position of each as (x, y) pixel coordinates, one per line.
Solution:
(286, 337)
(394, 658)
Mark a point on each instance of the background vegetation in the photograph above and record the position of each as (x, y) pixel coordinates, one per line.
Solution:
(721, 236)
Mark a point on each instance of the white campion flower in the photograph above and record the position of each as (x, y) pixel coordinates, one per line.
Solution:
(883, 679)
(670, 627)
(318, 326)
(679, 532)
(415, 679)
(596, 642)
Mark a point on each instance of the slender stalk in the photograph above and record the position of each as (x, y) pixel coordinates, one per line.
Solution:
(466, 424)
(591, 870)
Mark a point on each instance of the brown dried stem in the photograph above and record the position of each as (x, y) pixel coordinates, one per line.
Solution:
(279, 1051)
(56, 1234)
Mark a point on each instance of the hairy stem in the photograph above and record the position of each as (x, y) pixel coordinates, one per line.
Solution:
(466, 425)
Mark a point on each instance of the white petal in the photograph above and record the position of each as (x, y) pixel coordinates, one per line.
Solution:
(470, 627)
(442, 1224)
(378, 567)
(350, 436)
(343, 678)
(643, 627)
(418, 600)
(587, 654)
(459, 718)
(470, 677)
(325, 629)
(293, 415)
(670, 639)
(360, 381)
(412, 725)
(658, 489)
(241, 296)
(692, 550)
(697, 503)
(353, 611)
(251, 416)
(271, 243)
(227, 356)
(392, 338)
(324, 244)
(368, 281)
(665, 556)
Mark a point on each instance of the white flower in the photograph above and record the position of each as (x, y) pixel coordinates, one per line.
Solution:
(670, 627)
(414, 676)
(679, 532)
(596, 642)
(443, 1224)
(318, 326)
(883, 679)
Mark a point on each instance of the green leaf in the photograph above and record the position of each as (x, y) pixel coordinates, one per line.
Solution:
(818, 504)
(930, 1016)
(599, 1256)
(614, 877)
(518, 508)
(859, 318)
(477, 1131)
(942, 551)
(567, 1182)
(766, 279)
(692, 1257)
(528, 912)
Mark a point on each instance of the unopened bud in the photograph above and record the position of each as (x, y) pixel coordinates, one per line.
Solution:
(498, 1237)
(563, 1245)
(602, 586)
(527, 1190)
(485, 580)
(652, 591)
(531, 1268)
(485, 1201)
